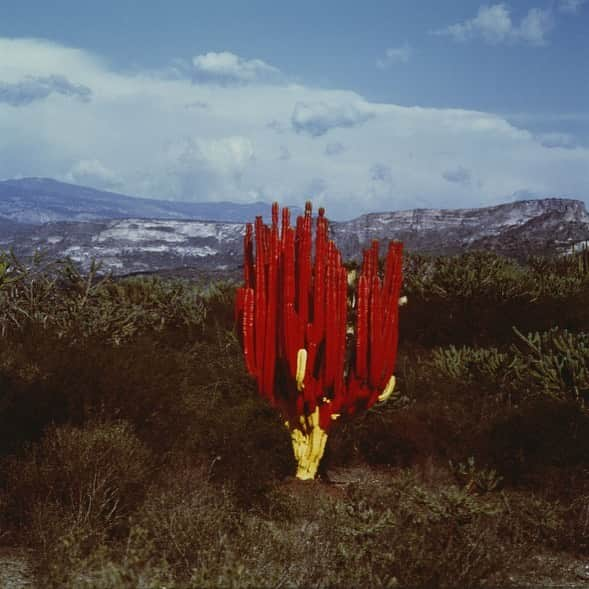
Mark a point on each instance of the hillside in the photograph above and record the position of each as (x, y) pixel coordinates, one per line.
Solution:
(518, 229)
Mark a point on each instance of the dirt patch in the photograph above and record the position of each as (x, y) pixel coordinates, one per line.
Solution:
(16, 571)
(552, 571)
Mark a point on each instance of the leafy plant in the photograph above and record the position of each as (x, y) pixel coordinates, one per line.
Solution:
(473, 479)
(555, 364)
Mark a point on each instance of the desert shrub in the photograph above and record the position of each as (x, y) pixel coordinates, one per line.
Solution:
(555, 364)
(193, 398)
(400, 534)
(46, 383)
(481, 379)
(242, 437)
(576, 537)
(401, 437)
(533, 519)
(57, 297)
(470, 476)
(189, 519)
(526, 442)
(469, 365)
(416, 536)
(476, 298)
(79, 481)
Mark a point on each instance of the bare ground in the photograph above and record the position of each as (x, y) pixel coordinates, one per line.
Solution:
(16, 570)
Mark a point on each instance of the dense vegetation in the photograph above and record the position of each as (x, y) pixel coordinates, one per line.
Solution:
(135, 452)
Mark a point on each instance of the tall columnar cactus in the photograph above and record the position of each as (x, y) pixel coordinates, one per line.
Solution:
(293, 314)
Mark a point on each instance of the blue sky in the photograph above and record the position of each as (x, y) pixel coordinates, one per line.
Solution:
(378, 105)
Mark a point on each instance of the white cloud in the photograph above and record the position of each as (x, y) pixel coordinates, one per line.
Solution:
(318, 118)
(494, 25)
(32, 88)
(570, 6)
(228, 68)
(200, 169)
(394, 55)
(534, 26)
(92, 173)
(137, 134)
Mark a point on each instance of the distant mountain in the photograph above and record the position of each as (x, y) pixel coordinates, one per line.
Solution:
(42, 200)
(518, 229)
(131, 245)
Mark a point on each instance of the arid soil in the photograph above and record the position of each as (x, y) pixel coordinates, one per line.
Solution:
(15, 569)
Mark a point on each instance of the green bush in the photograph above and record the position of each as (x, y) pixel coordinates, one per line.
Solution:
(476, 298)
(555, 364)
(56, 297)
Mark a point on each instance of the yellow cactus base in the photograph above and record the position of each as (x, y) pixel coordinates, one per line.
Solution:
(308, 438)
(308, 444)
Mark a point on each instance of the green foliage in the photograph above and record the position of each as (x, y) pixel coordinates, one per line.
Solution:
(469, 276)
(555, 364)
(474, 479)
(58, 299)
(470, 365)
(476, 298)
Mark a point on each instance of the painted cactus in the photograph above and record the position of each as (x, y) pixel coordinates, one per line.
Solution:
(316, 353)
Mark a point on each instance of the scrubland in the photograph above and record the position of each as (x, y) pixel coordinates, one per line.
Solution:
(135, 452)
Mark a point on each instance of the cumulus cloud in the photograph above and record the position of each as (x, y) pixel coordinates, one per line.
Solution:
(195, 167)
(136, 133)
(534, 26)
(228, 68)
(494, 25)
(459, 175)
(33, 88)
(92, 173)
(394, 55)
(570, 6)
(318, 118)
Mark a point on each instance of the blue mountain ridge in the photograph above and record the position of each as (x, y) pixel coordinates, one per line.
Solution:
(42, 200)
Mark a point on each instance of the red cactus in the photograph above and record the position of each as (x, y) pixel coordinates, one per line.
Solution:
(290, 302)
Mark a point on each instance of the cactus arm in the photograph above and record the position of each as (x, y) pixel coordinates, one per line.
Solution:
(248, 330)
(301, 368)
(362, 329)
(388, 390)
(272, 303)
(260, 300)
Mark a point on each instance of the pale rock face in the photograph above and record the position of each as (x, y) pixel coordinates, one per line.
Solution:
(516, 228)
(138, 245)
